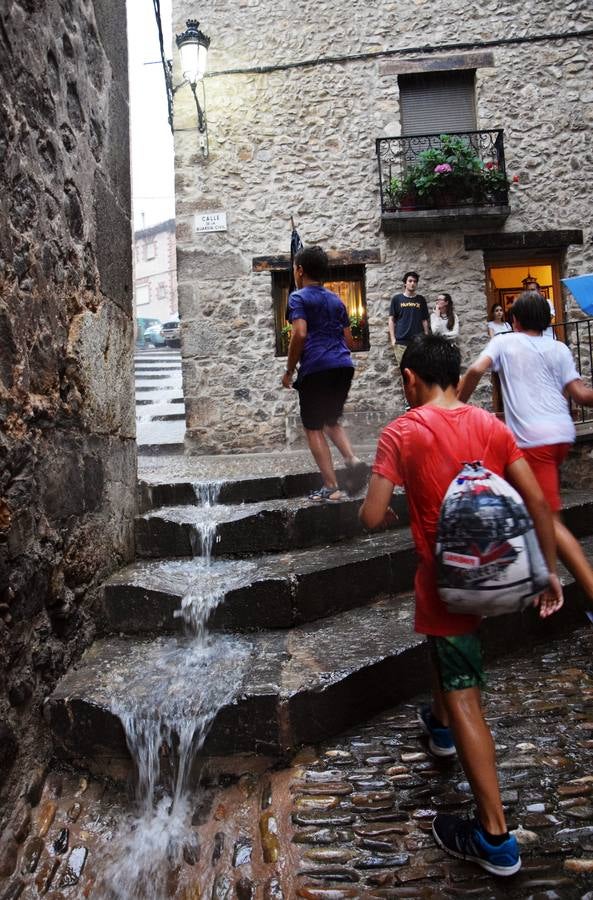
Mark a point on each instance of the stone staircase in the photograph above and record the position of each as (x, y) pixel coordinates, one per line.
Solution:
(319, 639)
(160, 407)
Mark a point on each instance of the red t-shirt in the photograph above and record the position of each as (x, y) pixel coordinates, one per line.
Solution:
(423, 451)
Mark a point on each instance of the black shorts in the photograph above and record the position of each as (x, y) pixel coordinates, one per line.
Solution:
(322, 396)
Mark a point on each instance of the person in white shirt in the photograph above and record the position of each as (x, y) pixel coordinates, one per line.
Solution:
(444, 319)
(533, 285)
(537, 377)
(496, 321)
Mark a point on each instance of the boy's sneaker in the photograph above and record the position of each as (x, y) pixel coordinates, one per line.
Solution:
(465, 839)
(440, 739)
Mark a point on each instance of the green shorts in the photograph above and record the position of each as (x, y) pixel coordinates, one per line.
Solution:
(457, 661)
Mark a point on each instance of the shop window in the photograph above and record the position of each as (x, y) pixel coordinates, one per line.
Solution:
(348, 282)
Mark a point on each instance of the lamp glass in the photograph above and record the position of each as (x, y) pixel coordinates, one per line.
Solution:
(194, 57)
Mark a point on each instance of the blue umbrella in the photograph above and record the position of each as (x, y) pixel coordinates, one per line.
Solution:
(581, 287)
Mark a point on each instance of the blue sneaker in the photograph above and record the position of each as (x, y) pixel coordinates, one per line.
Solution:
(440, 739)
(465, 839)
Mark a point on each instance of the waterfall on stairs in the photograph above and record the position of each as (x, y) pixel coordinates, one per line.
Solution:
(166, 713)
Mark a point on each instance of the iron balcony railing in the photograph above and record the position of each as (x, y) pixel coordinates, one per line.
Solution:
(436, 171)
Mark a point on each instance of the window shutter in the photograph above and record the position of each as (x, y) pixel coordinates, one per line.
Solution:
(437, 103)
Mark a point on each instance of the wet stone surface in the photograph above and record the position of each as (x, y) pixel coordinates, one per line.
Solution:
(351, 818)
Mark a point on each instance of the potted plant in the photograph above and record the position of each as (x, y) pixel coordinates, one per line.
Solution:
(453, 175)
(359, 329)
(285, 335)
(402, 192)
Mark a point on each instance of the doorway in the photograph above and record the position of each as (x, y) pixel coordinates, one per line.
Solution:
(506, 279)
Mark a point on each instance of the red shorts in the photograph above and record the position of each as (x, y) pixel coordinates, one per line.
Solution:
(544, 462)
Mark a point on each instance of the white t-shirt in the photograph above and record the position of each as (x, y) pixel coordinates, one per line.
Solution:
(533, 373)
(438, 325)
(495, 328)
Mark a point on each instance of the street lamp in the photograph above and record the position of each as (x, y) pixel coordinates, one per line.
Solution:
(193, 51)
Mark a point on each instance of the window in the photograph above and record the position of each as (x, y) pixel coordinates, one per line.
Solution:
(151, 250)
(348, 282)
(437, 102)
(142, 294)
(161, 291)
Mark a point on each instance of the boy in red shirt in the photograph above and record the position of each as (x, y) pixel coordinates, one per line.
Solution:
(424, 450)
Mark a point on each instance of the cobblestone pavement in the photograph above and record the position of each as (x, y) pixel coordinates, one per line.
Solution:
(351, 819)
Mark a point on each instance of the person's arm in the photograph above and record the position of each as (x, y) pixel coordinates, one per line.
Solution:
(425, 316)
(376, 511)
(491, 332)
(391, 327)
(471, 379)
(523, 480)
(295, 349)
(578, 391)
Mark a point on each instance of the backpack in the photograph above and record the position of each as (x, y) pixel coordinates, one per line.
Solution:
(488, 558)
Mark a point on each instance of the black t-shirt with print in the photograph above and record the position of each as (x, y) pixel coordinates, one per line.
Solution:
(408, 313)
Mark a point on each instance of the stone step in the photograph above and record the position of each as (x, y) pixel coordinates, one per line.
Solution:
(275, 591)
(249, 528)
(156, 375)
(250, 489)
(159, 412)
(277, 690)
(149, 399)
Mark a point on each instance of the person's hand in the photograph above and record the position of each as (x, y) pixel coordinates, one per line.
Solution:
(551, 600)
(287, 380)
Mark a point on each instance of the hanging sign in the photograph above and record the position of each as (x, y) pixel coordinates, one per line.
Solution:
(210, 221)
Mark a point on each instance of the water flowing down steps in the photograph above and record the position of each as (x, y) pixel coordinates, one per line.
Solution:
(272, 591)
(329, 666)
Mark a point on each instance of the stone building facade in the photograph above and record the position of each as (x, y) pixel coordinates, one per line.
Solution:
(155, 271)
(296, 99)
(67, 432)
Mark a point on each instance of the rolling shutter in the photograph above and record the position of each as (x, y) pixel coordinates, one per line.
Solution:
(434, 103)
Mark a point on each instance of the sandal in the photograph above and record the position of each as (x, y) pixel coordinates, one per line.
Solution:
(331, 495)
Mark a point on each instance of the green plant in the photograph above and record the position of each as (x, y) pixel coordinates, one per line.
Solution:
(358, 326)
(451, 174)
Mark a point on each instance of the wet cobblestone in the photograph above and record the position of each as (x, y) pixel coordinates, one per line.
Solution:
(351, 818)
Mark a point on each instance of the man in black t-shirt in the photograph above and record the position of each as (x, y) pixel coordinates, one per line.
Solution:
(408, 315)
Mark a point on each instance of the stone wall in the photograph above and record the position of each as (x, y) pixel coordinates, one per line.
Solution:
(67, 448)
(301, 141)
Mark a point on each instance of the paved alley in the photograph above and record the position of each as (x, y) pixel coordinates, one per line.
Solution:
(351, 818)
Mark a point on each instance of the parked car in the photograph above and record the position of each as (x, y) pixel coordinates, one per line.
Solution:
(142, 323)
(153, 336)
(171, 332)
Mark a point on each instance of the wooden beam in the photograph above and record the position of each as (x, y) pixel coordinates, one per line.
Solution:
(281, 262)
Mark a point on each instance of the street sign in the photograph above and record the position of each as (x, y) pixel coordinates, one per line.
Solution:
(211, 221)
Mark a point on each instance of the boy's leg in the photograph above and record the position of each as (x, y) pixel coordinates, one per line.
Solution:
(475, 748)
(322, 455)
(338, 437)
(457, 662)
(572, 555)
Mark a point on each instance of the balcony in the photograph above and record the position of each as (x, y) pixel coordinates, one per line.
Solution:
(451, 181)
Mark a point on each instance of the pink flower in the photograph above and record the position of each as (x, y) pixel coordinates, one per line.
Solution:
(443, 168)
(491, 165)
(515, 179)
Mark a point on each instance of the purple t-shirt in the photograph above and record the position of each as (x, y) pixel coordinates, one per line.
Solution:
(326, 318)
